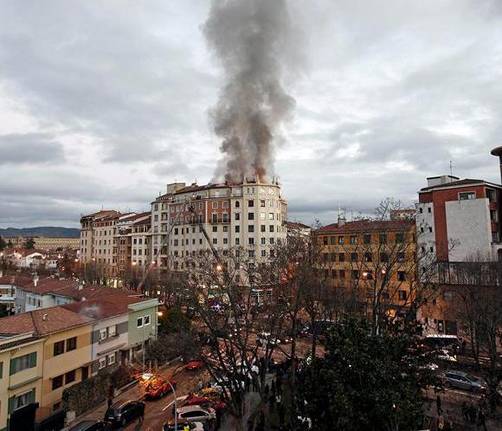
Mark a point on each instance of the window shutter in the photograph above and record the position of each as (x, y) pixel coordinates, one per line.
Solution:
(12, 401)
(13, 366)
(33, 359)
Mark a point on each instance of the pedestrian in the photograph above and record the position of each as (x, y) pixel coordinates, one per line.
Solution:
(438, 405)
(465, 412)
(481, 420)
(111, 393)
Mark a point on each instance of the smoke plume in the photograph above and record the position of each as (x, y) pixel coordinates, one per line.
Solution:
(251, 39)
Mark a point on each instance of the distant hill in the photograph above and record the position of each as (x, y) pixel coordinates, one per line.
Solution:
(51, 231)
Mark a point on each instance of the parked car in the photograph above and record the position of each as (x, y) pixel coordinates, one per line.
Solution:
(181, 426)
(125, 412)
(465, 381)
(157, 388)
(194, 365)
(196, 413)
(90, 425)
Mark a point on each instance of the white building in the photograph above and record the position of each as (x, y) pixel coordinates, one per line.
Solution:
(249, 216)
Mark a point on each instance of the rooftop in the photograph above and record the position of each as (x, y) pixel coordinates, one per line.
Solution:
(460, 183)
(42, 322)
(361, 226)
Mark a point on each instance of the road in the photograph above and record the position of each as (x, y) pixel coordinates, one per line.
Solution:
(157, 412)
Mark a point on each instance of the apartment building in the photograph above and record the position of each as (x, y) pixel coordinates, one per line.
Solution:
(140, 241)
(66, 355)
(54, 243)
(249, 216)
(459, 220)
(91, 242)
(21, 359)
(361, 256)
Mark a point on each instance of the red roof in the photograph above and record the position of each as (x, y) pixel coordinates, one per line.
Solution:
(42, 322)
(361, 226)
(104, 307)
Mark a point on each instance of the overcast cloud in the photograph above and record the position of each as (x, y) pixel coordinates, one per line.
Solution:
(103, 103)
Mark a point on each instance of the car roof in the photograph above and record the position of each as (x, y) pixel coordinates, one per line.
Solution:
(120, 404)
(458, 373)
(191, 408)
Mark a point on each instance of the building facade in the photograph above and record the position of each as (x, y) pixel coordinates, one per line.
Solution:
(366, 258)
(248, 216)
(459, 220)
(21, 360)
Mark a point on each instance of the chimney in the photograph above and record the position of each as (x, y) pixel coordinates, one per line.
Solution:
(341, 220)
(44, 316)
(35, 280)
(498, 152)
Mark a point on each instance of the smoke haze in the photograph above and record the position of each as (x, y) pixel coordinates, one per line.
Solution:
(251, 39)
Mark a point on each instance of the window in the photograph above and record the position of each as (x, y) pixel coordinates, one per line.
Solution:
(400, 237)
(353, 257)
(367, 238)
(272, 240)
(146, 320)
(237, 216)
(112, 331)
(237, 241)
(57, 382)
(353, 239)
(342, 273)
(23, 363)
(215, 241)
(1, 370)
(262, 228)
(225, 228)
(384, 257)
(400, 256)
(251, 228)
(271, 228)
(111, 359)
(237, 229)
(214, 205)
(214, 218)
(251, 241)
(71, 344)
(355, 274)
(139, 322)
(340, 240)
(225, 240)
(429, 210)
(263, 241)
(263, 216)
(237, 204)
(21, 400)
(102, 363)
(464, 196)
(402, 295)
(250, 216)
(270, 216)
(420, 210)
(262, 203)
(250, 203)
(341, 257)
(69, 377)
(251, 253)
(368, 257)
(215, 228)
(401, 275)
(59, 348)
(382, 238)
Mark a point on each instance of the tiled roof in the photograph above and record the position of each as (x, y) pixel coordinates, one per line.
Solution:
(361, 226)
(296, 225)
(103, 308)
(42, 322)
(48, 285)
(16, 280)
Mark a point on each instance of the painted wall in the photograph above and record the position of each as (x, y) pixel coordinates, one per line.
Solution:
(22, 381)
(68, 361)
(469, 229)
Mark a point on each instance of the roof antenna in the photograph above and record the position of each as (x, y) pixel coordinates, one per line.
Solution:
(451, 170)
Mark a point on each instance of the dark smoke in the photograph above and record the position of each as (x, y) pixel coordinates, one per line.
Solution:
(251, 38)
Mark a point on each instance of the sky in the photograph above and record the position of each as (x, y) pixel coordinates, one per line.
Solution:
(102, 103)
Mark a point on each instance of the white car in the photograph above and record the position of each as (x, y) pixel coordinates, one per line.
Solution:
(181, 426)
(196, 413)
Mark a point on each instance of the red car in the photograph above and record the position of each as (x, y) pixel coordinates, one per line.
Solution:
(157, 388)
(197, 400)
(194, 365)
